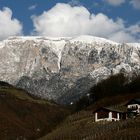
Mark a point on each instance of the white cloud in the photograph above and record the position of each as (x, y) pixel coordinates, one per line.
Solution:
(122, 36)
(8, 26)
(115, 2)
(135, 4)
(67, 20)
(134, 29)
(32, 7)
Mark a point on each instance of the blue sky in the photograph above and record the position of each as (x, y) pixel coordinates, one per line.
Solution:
(123, 17)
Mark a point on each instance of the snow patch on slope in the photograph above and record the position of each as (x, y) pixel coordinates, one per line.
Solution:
(92, 39)
(50, 67)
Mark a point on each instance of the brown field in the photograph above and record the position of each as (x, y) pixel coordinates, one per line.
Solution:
(81, 125)
(25, 117)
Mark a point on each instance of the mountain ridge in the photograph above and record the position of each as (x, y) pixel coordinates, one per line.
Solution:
(52, 68)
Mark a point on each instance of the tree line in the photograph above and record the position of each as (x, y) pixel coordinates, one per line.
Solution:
(112, 86)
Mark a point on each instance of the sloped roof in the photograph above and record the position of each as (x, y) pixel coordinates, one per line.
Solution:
(115, 108)
(136, 100)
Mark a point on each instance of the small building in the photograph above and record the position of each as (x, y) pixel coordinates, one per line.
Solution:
(133, 108)
(112, 113)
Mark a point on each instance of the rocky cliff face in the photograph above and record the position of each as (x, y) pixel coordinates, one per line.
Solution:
(63, 69)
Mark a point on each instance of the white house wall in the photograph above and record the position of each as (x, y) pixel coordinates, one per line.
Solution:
(110, 118)
(134, 105)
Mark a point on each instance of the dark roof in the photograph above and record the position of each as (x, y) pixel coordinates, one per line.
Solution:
(136, 100)
(115, 108)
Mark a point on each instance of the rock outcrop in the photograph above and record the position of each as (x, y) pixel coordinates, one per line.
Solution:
(63, 69)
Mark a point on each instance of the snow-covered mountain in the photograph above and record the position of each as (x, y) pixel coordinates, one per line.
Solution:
(63, 69)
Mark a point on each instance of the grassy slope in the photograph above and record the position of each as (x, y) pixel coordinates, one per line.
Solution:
(81, 124)
(22, 116)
